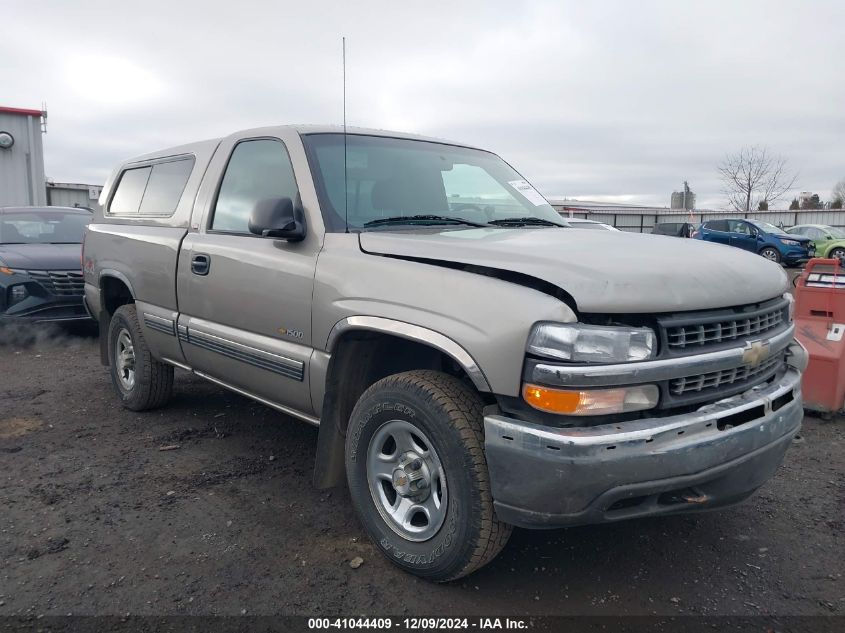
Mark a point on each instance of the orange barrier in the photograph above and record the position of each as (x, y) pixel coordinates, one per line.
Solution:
(819, 326)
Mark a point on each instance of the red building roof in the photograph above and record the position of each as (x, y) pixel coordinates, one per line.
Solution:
(21, 111)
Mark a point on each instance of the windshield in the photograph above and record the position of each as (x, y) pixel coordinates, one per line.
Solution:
(389, 180)
(768, 228)
(42, 227)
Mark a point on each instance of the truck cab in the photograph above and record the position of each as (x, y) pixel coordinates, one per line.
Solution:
(472, 363)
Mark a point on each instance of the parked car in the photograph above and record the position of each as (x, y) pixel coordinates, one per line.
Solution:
(581, 223)
(40, 263)
(676, 229)
(471, 366)
(758, 237)
(829, 241)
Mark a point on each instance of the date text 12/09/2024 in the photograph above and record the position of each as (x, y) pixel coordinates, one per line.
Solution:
(418, 624)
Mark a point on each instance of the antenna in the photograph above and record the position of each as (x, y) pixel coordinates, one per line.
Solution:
(345, 170)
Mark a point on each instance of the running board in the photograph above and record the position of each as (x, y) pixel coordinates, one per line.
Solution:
(310, 419)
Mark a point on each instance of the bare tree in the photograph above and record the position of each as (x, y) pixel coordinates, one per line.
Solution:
(838, 192)
(753, 175)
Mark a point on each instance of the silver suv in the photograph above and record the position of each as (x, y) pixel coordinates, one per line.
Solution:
(472, 363)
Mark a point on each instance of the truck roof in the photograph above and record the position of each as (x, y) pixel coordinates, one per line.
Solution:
(210, 144)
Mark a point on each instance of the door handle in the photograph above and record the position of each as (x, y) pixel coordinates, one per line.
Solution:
(200, 264)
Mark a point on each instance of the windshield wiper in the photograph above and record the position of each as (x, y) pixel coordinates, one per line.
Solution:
(422, 219)
(526, 221)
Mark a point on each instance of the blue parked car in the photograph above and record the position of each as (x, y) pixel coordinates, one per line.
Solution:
(758, 237)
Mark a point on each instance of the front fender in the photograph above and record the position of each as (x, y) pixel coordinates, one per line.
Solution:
(414, 333)
(479, 320)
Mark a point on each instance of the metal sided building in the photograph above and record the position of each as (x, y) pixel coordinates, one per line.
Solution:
(640, 219)
(71, 194)
(21, 157)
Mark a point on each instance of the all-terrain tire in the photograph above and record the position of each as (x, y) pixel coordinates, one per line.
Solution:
(153, 380)
(449, 414)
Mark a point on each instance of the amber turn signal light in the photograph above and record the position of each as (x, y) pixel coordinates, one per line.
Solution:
(591, 401)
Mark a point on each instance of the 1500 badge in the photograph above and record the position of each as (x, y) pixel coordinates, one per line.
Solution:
(291, 333)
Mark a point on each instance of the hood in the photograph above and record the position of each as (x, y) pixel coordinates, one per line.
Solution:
(789, 236)
(604, 271)
(42, 256)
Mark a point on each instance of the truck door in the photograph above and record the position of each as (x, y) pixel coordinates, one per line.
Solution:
(245, 300)
(742, 235)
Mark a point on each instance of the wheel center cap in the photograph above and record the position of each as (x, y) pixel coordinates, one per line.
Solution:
(412, 477)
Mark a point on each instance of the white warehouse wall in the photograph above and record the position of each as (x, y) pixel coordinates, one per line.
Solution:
(22, 165)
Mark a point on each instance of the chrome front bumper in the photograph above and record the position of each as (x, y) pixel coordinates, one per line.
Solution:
(546, 477)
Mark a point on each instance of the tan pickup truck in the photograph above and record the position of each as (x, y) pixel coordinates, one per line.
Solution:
(472, 362)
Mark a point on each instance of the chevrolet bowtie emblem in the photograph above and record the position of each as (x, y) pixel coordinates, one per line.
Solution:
(755, 353)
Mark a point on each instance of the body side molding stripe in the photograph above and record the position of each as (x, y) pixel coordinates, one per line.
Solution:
(160, 324)
(281, 365)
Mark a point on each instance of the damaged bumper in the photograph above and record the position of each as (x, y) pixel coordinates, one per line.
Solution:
(545, 477)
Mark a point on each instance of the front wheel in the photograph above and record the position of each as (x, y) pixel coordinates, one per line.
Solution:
(772, 254)
(418, 475)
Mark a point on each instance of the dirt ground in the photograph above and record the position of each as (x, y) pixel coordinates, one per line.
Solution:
(96, 519)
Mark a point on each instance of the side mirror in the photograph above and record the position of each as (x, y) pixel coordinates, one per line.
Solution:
(276, 217)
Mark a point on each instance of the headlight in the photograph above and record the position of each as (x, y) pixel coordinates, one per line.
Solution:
(579, 343)
(790, 242)
(17, 293)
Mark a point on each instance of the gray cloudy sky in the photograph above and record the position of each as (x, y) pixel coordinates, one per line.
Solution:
(616, 101)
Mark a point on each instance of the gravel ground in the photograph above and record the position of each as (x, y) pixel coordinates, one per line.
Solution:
(95, 518)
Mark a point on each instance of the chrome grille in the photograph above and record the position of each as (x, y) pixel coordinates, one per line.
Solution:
(64, 283)
(725, 377)
(715, 330)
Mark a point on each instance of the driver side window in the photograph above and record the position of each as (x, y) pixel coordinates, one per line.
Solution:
(737, 226)
(257, 170)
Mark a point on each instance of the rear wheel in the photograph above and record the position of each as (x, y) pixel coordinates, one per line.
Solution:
(140, 380)
(836, 253)
(418, 475)
(771, 254)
